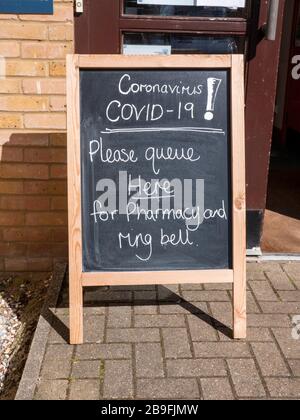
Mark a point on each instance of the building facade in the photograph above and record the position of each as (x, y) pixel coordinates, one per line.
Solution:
(33, 48)
(33, 204)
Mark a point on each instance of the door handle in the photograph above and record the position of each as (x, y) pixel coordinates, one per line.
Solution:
(271, 28)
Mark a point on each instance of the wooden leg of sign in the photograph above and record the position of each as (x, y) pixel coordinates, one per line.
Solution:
(74, 206)
(76, 312)
(239, 307)
(239, 198)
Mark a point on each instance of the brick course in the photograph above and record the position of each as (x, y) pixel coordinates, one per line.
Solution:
(33, 138)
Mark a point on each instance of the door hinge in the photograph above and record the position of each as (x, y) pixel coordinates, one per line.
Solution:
(78, 6)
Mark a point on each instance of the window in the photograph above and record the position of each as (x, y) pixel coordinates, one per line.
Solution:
(178, 43)
(145, 8)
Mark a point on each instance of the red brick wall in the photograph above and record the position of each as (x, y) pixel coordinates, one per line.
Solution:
(33, 203)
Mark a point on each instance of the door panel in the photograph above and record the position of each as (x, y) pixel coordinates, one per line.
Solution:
(260, 106)
(97, 29)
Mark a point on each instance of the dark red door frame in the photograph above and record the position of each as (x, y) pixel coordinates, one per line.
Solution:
(260, 106)
(99, 31)
(292, 89)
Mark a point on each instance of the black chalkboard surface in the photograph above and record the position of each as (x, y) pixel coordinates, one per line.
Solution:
(155, 170)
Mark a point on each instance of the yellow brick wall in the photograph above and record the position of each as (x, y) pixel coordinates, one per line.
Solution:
(33, 205)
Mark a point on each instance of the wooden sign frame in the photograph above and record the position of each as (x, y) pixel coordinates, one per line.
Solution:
(236, 276)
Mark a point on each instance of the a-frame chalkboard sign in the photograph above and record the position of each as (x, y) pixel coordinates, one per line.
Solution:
(156, 174)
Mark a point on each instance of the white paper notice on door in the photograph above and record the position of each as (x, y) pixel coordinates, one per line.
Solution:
(212, 3)
(129, 49)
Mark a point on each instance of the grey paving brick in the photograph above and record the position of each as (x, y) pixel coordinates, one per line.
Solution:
(218, 287)
(280, 307)
(59, 352)
(134, 288)
(184, 308)
(93, 329)
(252, 307)
(86, 369)
(59, 333)
(270, 360)
(145, 309)
(255, 275)
(280, 281)
(173, 389)
(85, 390)
(52, 390)
(205, 296)
(225, 334)
(259, 335)
(201, 328)
(56, 369)
(290, 296)
(297, 284)
(119, 316)
(94, 310)
(222, 313)
(148, 321)
(253, 335)
(103, 351)
(94, 291)
(268, 321)
(222, 350)
(284, 388)
(271, 267)
(145, 296)
(216, 389)
(292, 270)
(168, 293)
(196, 368)
(246, 378)
(176, 343)
(149, 360)
(118, 379)
(295, 367)
(101, 296)
(254, 268)
(60, 311)
(289, 346)
(263, 291)
(132, 335)
(192, 287)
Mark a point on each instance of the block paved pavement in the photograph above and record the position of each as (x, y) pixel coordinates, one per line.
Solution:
(175, 343)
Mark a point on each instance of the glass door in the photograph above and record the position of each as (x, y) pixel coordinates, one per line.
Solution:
(189, 26)
(164, 26)
(199, 26)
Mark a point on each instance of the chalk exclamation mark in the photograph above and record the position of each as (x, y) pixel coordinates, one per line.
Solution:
(213, 86)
